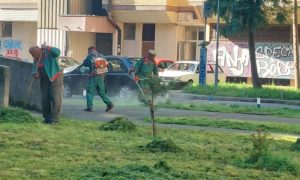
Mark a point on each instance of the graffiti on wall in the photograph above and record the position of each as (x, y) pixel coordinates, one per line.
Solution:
(11, 48)
(274, 60)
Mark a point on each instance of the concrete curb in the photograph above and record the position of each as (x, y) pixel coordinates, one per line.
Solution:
(221, 98)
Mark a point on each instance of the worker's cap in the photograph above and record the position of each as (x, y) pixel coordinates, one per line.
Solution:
(151, 51)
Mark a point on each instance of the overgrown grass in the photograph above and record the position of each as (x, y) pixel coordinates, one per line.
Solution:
(230, 124)
(233, 108)
(78, 150)
(243, 90)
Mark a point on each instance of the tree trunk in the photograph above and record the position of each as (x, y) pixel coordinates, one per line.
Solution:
(295, 46)
(255, 78)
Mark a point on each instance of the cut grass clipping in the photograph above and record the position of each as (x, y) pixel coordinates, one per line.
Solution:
(159, 145)
(16, 115)
(118, 124)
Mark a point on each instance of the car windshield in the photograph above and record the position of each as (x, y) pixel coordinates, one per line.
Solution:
(190, 67)
(72, 62)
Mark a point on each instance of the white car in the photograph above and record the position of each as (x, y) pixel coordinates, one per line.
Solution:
(183, 73)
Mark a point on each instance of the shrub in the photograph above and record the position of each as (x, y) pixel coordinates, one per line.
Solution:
(16, 115)
(118, 124)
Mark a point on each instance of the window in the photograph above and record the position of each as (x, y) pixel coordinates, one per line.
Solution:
(129, 31)
(200, 35)
(6, 29)
(148, 32)
(116, 66)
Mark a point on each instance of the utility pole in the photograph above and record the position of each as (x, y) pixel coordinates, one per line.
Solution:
(296, 45)
(217, 48)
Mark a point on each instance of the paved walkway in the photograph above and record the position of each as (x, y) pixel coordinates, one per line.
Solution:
(137, 116)
(73, 108)
(139, 113)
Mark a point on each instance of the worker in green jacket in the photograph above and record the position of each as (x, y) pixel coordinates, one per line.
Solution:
(145, 69)
(96, 83)
(46, 68)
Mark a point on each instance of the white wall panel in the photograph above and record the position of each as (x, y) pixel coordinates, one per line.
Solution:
(52, 37)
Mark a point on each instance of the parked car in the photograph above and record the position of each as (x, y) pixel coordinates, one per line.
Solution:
(65, 61)
(183, 73)
(118, 81)
(163, 64)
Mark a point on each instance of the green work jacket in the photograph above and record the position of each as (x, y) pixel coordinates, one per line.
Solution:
(49, 61)
(145, 68)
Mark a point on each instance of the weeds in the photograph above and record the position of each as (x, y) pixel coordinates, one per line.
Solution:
(260, 146)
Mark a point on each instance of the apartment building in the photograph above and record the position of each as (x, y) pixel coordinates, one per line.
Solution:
(119, 27)
(126, 27)
(18, 27)
(174, 28)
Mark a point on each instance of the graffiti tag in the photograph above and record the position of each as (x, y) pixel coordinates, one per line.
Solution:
(274, 60)
(12, 44)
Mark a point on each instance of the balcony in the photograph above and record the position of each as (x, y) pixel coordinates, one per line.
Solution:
(155, 11)
(85, 16)
(79, 23)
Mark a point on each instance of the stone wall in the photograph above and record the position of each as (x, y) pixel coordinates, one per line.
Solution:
(24, 91)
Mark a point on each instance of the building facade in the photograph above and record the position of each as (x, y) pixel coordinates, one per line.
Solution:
(174, 28)
(18, 22)
(125, 27)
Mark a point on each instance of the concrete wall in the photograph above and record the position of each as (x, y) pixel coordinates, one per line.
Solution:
(20, 80)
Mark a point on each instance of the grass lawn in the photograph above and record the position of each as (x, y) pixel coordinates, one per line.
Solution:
(233, 108)
(243, 90)
(79, 150)
(230, 124)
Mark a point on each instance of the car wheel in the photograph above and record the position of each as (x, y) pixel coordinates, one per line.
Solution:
(67, 91)
(190, 82)
(126, 92)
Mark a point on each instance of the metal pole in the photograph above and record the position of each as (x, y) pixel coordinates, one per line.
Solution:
(217, 48)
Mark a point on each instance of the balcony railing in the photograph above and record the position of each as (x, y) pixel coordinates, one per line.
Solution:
(86, 7)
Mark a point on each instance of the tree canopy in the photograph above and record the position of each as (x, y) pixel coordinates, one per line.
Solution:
(239, 15)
